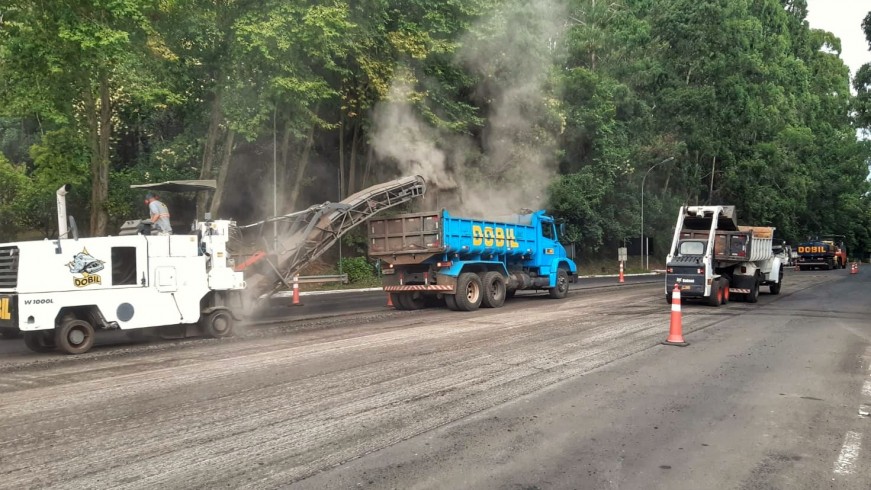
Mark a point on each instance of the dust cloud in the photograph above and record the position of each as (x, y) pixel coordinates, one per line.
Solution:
(510, 162)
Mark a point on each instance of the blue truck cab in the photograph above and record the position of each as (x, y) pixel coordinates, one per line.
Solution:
(468, 262)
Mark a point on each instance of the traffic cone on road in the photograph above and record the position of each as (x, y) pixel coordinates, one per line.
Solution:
(854, 268)
(296, 301)
(621, 272)
(389, 302)
(675, 331)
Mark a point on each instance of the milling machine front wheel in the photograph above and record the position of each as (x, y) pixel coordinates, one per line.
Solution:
(217, 324)
(74, 336)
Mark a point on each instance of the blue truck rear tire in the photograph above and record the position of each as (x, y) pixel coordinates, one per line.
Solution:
(494, 290)
(469, 292)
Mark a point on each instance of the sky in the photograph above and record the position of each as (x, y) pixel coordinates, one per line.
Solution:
(843, 18)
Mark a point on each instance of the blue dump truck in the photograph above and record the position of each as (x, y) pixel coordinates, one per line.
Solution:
(822, 253)
(467, 262)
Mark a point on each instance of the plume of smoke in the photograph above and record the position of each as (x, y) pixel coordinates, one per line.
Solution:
(511, 52)
(404, 138)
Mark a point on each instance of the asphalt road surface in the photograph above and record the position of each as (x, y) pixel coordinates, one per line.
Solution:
(540, 394)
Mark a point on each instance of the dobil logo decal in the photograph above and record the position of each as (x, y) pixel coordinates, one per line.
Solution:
(87, 265)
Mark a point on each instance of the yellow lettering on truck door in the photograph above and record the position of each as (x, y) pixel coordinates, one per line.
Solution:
(477, 235)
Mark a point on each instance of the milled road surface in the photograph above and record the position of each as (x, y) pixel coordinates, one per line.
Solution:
(540, 394)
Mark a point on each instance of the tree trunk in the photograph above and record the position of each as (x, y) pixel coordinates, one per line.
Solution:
(713, 170)
(282, 170)
(341, 156)
(100, 133)
(301, 168)
(222, 174)
(352, 163)
(215, 120)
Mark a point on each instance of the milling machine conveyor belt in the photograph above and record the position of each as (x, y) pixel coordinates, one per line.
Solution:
(304, 235)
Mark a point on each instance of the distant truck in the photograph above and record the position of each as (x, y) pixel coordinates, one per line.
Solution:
(825, 253)
(712, 258)
(784, 251)
(468, 262)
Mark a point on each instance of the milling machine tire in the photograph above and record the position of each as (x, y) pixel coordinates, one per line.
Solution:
(562, 285)
(74, 336)
(724, 286)
(41, 341)
(469, 292)
(494, 290)
(217, 324)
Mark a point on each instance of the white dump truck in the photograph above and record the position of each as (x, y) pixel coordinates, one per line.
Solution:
(713, 259)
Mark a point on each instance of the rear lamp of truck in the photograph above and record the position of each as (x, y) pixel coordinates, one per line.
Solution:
(700, 270)
(444, 264)
(670, 270)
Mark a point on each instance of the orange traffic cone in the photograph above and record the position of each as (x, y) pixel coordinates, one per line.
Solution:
(389, 301)
(296, 301)
(675, 331)
(854, 268)
(621, 272)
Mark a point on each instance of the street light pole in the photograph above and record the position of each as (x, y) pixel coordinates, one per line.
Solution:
(642, 244)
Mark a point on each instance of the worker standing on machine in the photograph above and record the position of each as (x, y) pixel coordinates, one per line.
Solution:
(159, 214)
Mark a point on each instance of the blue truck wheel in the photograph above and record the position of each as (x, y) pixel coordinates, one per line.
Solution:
(562, 285)
(469, 292)
(494, 290)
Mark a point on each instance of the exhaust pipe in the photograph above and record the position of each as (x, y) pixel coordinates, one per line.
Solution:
(62, 229)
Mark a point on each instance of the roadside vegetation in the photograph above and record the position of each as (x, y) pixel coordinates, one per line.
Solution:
(593, 97)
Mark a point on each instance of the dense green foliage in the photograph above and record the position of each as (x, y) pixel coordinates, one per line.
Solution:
(571, 103)
(357, 268)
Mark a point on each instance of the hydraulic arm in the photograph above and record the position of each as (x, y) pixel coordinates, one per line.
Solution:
(303, 236)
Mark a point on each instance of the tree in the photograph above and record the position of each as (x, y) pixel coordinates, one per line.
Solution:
(74, 63)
